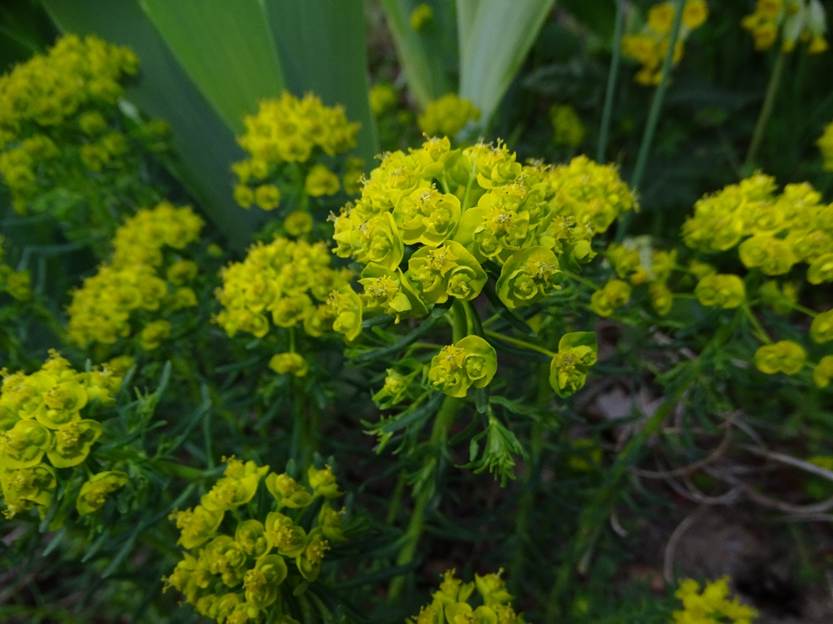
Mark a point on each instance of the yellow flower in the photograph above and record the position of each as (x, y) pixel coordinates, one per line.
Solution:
(469, 362)
(298, 223)
(720, 291)
(382, 98)
(291, 129)
(267, 197)
(713, 604)
(321, 181)
(218, 571)
(447, 115)
(823, 372)
(453, 602)
(154, 333)
(613, 295)
(97, 488)
(422, 15)
(567, 127)
(289, 364)
(784, 356)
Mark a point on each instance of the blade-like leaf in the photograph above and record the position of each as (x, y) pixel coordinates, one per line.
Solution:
(423, 64)
(225, 47)
(322, 48)
(497, 42)
(203, 142)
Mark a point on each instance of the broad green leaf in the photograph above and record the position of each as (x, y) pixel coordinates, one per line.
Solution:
(204, 143)
(422, 62)
(497, 42)
(226, 48)
(323, 49)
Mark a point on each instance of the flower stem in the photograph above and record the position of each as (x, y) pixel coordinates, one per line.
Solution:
(766, 110)
(659, 97)
(517, 342)
(612, 75)
(425, 488)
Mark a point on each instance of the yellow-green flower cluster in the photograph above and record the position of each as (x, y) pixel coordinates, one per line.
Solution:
(17, 284)
(711, 605)
(382, 98)
(784, 356)
(283, 135)
(638, 262)
(138, 279)
(294, 284)
(60, 125)
(567, 128)
(421, 16)
(239, 564)
(447, 115)
(485, 601)
(773, 232)
(650, 46)
(469, 362)
(614, 294)
(825, 144)
(43, 428)
(463, 209)
(569, 366)
(795, 20)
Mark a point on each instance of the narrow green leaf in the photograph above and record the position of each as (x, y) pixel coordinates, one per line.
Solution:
(202, 140)
(497, 42)
(225, 47)
(423, 64)
(323, 49)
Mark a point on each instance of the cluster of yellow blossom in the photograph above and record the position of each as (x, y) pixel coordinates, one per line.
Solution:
(138, 279)
(796, 20)
(421, 16)
(60, 124)
(640, 264)
(280, 138)
(447, 115)
(17, 284)
(773, 232)
(294, 283)
(469, 362)
(456, 601)
(237, 575)
(650, 46)
(567, 128)
(382, 98)
(465, 208)
(42, 429)
(712, 604)
(577, 352)
(825, 144)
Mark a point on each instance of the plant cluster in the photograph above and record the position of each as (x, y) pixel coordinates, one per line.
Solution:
(467, 354)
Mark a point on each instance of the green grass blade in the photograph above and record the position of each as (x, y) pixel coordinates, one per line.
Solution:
(203, 141)
(322, 48)
(226, 48)
(496, 44)
(423, 64)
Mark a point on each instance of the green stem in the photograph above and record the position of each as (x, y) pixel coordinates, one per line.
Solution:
(766, 110)
(612, 75)
(425, 489)
(659, 96)
(517, 342)
(758, 329)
